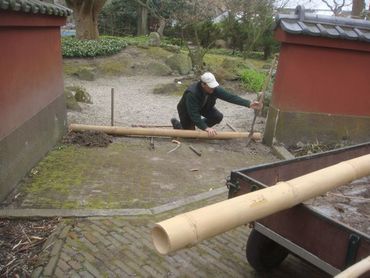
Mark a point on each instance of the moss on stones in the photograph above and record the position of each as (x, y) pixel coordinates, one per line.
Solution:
(158, 69)
(80, 93)
(180, 63)
(113, 67)
(158, 53)
(71, 102)
(170, 89)
(88, 73)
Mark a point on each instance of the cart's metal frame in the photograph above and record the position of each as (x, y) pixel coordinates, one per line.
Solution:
(285, 228)
(296, 249)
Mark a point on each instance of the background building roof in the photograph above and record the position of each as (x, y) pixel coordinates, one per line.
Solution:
(324, 26)
(34, 7)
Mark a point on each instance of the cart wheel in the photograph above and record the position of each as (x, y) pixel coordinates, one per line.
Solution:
(264, 254)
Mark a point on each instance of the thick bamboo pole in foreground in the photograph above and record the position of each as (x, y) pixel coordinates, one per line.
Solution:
(356, 270)
(136, 131)
(192, 227)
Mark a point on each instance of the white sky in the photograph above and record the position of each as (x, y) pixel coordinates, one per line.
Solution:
(318, 4)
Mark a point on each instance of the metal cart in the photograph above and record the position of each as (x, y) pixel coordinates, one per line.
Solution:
(322, 241)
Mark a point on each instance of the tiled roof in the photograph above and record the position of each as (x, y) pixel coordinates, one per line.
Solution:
(324, 26)
(34, 7)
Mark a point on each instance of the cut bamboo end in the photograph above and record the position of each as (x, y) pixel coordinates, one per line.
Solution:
(162, 243)
(160, 132)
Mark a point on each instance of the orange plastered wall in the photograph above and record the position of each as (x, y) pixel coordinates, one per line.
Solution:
(30, 70)
(322, 75)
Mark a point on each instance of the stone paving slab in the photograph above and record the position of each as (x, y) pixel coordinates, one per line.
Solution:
(127, 174)
(13, 213)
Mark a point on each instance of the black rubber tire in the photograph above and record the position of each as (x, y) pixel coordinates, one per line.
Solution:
(264, 254)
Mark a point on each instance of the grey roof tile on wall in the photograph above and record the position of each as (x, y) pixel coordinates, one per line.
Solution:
(324, 26)
(34, 7)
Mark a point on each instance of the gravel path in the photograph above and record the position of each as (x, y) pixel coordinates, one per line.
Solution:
(135, 104)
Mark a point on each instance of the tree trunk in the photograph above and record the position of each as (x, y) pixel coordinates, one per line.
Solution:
(142, 21)
(85, 13)
(162, 24)
(266, 52)
(357, 8)
(196, 54)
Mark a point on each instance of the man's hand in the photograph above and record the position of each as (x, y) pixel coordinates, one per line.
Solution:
(211, 131)
(256, 105)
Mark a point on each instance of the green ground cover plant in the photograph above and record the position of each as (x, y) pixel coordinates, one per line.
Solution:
(105, 46)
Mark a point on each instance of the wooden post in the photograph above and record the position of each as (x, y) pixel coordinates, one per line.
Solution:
(112, 107)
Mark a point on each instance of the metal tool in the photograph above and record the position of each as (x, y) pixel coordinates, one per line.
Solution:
(256, 112)
(260, 99)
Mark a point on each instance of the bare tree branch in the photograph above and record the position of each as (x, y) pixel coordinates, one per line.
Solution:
(336, 7)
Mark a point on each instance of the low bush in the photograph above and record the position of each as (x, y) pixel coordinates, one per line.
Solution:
(172, 41)
(230, 52)
(105, 46)
(137, 40)
(252, 80)
(225, 52)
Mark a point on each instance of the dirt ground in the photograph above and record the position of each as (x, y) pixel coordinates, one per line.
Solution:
(88, 138)
(21, 243)
(347, 204)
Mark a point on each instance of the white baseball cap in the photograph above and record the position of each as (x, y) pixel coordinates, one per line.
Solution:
(209, 79)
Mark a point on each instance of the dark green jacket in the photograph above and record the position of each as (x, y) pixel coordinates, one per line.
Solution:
(194, 102)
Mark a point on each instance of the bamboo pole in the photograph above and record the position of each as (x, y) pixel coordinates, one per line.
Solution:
(192, 227)
(356, 270)
(115, 130)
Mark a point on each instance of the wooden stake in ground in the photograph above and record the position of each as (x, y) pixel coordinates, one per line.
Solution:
(192, 227)
(112, 107)
(152, 143)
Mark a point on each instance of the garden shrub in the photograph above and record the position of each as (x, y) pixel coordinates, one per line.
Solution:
(105, 46)
(252, 80)
(136, 40)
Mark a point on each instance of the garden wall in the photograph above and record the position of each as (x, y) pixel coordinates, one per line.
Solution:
(32, 104)
(321, 90)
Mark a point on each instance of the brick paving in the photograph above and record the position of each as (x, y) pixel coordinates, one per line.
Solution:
(122, 247)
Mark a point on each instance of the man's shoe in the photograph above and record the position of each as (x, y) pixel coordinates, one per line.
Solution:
(176, 123)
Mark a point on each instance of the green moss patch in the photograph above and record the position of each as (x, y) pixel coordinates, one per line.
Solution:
(158, 53)
(113, 67)
(171, 89)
